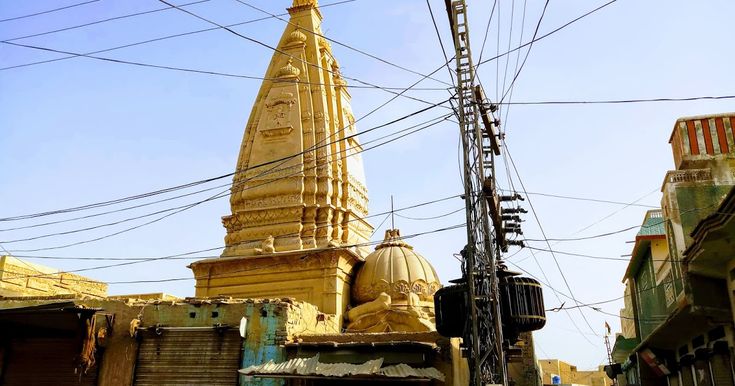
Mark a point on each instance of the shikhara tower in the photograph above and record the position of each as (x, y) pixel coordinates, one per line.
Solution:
(299, 188)
(310, 191)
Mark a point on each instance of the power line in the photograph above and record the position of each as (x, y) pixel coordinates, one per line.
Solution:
(163, 258)
(588, 237)
(591, 200)
(195, 183)
(518, 57)
(441, 43)
(48, 11)
(342, 44)
(622, 101)
(487, 30)
(188, 205)
(528, 52)
(543, 233)
(293, 57)
(595, 257)
(549, 33)
(431, 217)
(413, 206)
(211, 198)
(185, 69)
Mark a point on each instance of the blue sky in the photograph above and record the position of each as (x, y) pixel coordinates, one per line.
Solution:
(79, 131)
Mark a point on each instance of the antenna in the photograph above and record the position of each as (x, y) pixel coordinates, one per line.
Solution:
(392, 214)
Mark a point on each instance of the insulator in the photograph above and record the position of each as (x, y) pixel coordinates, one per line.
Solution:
(512, 197)
(518, 243)
(510, 218)
(513, 210)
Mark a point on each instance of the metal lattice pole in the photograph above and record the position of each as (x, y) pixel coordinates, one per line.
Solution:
(484, 337)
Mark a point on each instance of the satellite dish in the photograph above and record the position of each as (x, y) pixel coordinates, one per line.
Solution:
(243, 326)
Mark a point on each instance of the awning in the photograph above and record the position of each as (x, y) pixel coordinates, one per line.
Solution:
(311, 368)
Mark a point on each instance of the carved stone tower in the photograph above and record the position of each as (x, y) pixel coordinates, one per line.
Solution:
(298, 195)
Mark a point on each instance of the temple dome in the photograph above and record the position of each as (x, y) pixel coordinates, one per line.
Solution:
(397, 270)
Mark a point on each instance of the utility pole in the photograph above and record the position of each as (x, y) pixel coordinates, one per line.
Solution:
(483, 340)
(610, 360)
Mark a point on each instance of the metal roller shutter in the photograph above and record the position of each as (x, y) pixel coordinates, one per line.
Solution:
(188, 357)
(45, 361)
(721, 370)
(687, 376)
(674, 380)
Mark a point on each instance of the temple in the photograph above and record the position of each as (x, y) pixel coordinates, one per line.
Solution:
(299, 197)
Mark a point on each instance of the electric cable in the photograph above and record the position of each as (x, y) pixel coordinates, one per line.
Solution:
(528, 52)
(438, 120)
(342, 44)
(355, 245)
(195, 183)
(317, 66)
(413, 206)
(211, 198)
(48, 11)
(549, 33)
(543, 233)
(100, 21)
(518, 57)
(431, 217)
(590, 200)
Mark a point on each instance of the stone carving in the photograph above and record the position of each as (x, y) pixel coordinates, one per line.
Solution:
(277, 132)
(288, 71)
(278, 111)
(266, 246)
(382, 315)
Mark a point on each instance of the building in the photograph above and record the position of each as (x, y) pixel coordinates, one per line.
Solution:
(298, 297)
(523, 366)
(679, 290)
(22, 278)
(556, 371)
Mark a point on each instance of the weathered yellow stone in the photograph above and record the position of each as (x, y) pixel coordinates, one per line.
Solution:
(296, 179)
(298, 198)
(394, 289)
(22, 278)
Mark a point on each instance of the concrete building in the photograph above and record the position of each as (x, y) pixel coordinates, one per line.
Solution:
(680, 291)
(555, 371)
(23, 278)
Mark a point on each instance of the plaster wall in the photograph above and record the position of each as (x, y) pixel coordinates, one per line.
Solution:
(270, 324)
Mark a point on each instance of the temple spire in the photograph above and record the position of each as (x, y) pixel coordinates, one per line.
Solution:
(300, 182)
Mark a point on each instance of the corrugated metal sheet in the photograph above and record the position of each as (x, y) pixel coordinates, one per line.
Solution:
(188, 357)
(312, 366)
(721, 369)
(45, 361)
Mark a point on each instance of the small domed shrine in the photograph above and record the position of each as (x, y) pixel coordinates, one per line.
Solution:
(393, 290)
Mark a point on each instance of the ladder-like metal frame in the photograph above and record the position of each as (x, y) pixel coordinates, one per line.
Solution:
(484, 338)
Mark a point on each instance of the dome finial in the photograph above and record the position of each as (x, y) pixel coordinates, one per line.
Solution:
(288, 71)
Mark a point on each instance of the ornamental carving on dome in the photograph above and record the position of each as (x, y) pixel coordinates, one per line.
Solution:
(398, 290)
(380, 275)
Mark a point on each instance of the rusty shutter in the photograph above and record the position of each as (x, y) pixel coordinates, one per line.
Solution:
(674, 379)
(721, 369)
(188, 357)
(687, 375)
(44, 361)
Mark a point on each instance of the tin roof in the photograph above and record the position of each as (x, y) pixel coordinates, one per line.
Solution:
(311, 367)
